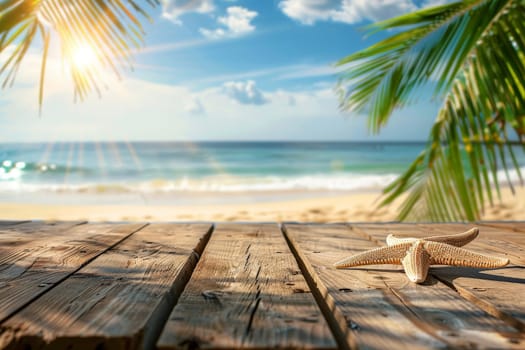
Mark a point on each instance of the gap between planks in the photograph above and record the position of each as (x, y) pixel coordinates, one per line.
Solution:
(421, 313)
(349, 315)
(160, 317)
(144, 337)
(247, 291)
(62, 231)
(335, 319)
(20, 235)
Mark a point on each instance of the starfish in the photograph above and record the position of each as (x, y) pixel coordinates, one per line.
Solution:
(417, 254)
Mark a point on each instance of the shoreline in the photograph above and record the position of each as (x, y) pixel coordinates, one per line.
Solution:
(331, 207)
(172, 198)
(318, 208)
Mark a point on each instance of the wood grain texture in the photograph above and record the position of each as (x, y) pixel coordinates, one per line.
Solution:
(93, 286)
(246, 292)
(28, 268)
(33, 230)
(118, 301)
(493, 290)
(385, 309)
(516, 226)
(358, 301)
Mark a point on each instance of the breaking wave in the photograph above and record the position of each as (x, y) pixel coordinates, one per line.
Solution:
(225, 184)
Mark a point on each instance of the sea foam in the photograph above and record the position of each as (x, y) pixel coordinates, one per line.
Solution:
(226, 184)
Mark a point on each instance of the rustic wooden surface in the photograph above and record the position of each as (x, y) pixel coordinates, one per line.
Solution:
(437, 312)
(121, 295)
(492, 290)
(35, 261)
(77, 285)
(247, 291)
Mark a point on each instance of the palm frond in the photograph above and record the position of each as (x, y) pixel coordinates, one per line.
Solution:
(110, 29)
(474, 50)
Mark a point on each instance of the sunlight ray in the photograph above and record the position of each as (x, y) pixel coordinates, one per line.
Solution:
(134, 156)
(217, 166)
(113, 146)
(42, 163)
(80, 157)
(100, 158)
(69, 162)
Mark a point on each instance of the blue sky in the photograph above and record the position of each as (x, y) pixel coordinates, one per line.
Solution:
(220, 70)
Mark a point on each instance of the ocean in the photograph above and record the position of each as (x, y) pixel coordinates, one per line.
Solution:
(178, 172)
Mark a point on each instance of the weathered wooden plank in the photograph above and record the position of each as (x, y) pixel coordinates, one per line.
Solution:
(384, 309)
(511, 232)
(31, 230)
(28, 271)
(493, 290)
(118, 301)
(247, 291)
(498, 292)
(487, 231)
(19, 246)
(356, 303)
(516, 226)
(25, 240)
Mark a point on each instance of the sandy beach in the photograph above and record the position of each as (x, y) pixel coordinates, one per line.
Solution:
(344, 208)
(212, 181)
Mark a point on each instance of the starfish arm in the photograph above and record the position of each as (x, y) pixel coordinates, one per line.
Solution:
(444, 254)
(393, 240)
(457, 240)
(378, 256)
(416, 262)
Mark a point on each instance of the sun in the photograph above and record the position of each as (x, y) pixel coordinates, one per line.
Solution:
(84, 57)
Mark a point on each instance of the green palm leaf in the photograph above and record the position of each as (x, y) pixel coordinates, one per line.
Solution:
(472, 53)
(108, 29)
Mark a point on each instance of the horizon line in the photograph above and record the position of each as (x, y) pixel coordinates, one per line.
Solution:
(214, 141)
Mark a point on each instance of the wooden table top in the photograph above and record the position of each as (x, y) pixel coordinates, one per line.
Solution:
(77, 285)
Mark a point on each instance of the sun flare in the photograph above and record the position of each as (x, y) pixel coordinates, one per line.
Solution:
(84, 57)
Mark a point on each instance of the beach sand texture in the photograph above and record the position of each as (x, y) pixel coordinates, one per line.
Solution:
(346, 208)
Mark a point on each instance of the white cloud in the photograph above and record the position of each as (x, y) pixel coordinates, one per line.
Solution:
(285, 95)
(195, 107)
(347, 11)
(140, 110)
(244, 92)
(173, 9)
(135, 109)
(237, 22)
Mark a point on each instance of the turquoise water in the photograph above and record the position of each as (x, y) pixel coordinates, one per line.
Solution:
(204, 167)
